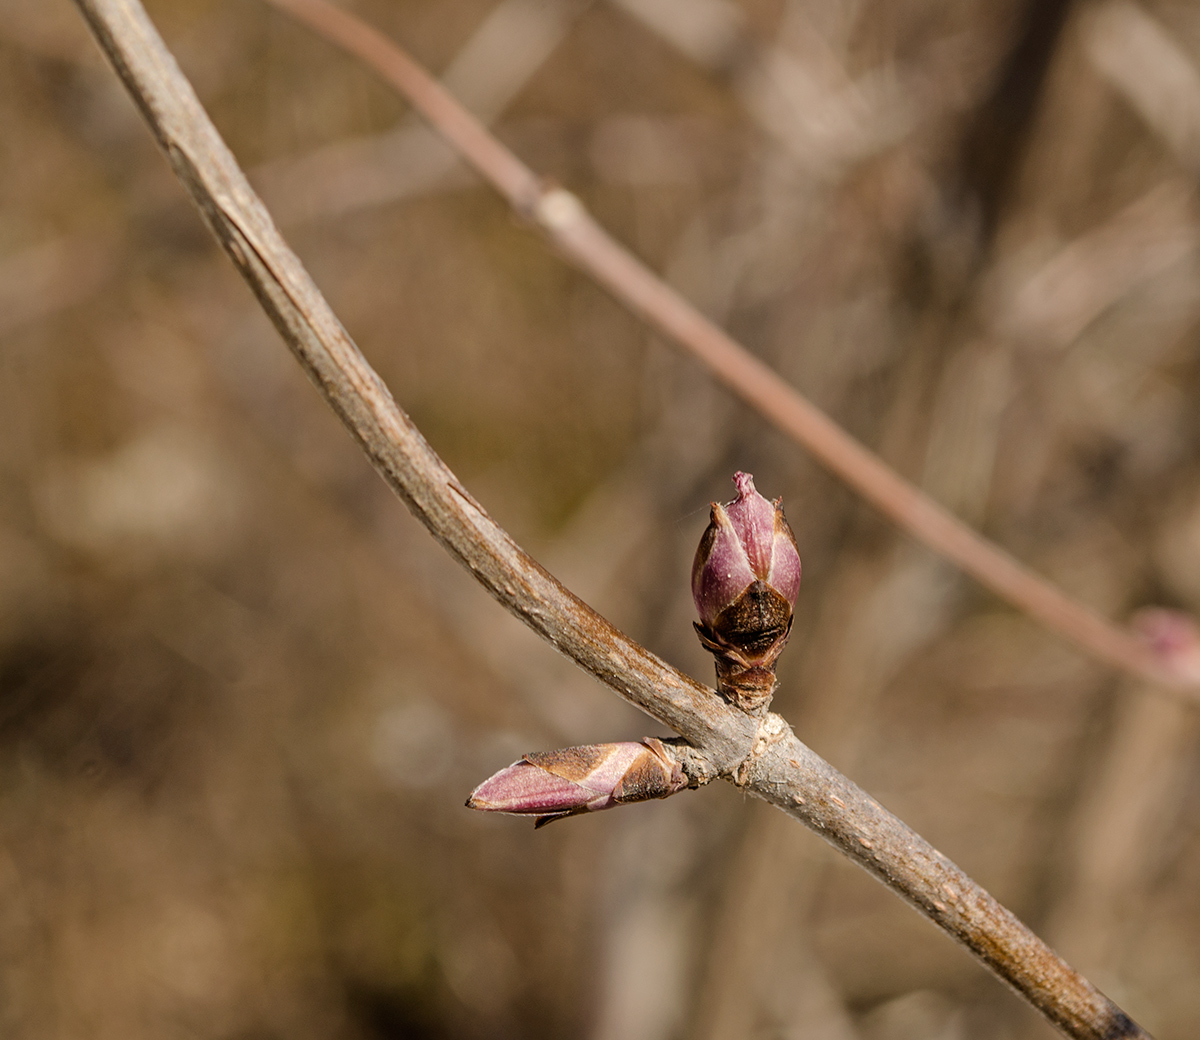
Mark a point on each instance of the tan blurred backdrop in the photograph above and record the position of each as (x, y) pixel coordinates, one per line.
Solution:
(243, 695)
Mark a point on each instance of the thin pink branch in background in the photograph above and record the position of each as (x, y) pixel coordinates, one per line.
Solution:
(581, 240)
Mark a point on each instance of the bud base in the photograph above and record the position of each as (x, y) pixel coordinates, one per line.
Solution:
(746, 681)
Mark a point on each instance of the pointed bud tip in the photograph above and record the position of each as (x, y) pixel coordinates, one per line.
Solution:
(744, 482)
(524, 788)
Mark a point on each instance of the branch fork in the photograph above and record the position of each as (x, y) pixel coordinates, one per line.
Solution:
(745, 579)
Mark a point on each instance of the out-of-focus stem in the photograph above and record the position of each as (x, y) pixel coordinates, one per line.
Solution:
(763, 753)
(561, 217)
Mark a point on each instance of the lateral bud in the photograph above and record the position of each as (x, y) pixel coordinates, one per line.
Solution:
(745, 579)
(554, 784)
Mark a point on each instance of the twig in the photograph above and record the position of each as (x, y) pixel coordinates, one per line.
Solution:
(765, 755)
(561, 217)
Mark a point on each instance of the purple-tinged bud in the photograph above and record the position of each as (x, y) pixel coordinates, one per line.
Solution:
(553, 784)
(745, 579)
(748, 539)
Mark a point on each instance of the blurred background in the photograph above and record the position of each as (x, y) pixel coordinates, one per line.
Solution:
(243, 694)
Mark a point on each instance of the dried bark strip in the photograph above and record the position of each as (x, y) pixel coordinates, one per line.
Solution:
(581, 240)
(766, 759)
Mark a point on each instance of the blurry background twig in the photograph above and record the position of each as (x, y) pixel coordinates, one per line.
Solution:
(202, 674)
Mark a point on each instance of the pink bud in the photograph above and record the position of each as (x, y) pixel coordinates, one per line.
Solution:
(747, 540)
(554, 784)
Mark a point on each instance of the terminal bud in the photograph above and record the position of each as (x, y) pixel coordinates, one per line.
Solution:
(745, 579)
